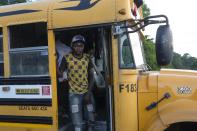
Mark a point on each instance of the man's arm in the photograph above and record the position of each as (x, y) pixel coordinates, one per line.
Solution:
(57, 65)
(90, 76)
(63, 65)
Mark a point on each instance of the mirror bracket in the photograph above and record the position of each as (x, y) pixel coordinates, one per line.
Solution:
(117, 30)
(141, 23)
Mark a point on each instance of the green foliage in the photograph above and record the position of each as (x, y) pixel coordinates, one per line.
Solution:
(5, 2)
(145, 10)
(177, 61)
(19, 1)
(149, 50)
(184, 62)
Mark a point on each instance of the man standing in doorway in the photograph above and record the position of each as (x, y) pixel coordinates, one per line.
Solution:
(80, 80)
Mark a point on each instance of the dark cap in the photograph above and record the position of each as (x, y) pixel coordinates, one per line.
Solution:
(78, 38)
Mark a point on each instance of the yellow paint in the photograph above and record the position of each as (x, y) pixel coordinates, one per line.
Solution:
(125, 103)
(128, 104)
(179, 107)
(39, 16)
(102, 12)
(116, 82)
(23, 125)
(147, 93)
(52, 12)
(24, 129)
(52, 71)
(6, 52)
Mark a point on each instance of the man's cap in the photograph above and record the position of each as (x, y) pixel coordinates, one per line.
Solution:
(78, 38)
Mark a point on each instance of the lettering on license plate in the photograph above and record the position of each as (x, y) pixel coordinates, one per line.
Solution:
(33, 91)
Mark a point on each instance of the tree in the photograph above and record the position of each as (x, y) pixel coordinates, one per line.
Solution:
(3, 2)
(149, 50)
(7, 2)
(19, 1)
(149, 45)
(145, 10)
(177, 61)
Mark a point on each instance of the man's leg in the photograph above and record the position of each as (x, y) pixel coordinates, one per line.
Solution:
(89, 111)
(75, 102)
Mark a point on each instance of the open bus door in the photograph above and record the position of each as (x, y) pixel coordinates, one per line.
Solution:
(98, 41)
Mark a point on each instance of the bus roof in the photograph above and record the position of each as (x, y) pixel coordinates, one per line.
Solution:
(66, 13)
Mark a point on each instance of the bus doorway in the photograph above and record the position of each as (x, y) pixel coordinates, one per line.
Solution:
(98, 47)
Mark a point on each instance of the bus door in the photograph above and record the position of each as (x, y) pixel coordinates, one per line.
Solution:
(125, 81)
(97, 45)
(25, 85)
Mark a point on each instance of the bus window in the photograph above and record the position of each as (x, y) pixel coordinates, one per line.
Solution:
(1, 54)
(125, 52)
(29, 50)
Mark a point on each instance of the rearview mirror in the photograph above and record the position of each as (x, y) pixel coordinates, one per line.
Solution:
(164, 47)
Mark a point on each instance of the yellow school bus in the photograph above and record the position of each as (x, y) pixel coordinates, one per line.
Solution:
(128, 97)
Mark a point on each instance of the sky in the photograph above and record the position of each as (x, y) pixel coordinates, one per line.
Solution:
(183, 23)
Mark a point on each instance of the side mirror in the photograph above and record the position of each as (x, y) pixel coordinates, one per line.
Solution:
(164, 47)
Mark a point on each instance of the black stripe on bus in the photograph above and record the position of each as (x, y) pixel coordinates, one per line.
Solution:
(25, 81)
(83, 5)
(26, 102)
(17, 12)
(26, 119)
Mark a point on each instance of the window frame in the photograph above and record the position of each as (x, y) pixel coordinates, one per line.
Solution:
(141, 50)
(1, 53)
(120, 51)
(29, 50)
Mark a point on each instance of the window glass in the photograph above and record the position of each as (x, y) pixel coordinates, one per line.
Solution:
(31, 62)
(137, 49)
(125, 52)
(1, 54)
(28, 50)
(28, 35)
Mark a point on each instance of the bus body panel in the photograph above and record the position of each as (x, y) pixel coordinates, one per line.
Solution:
(182, 105)
(62, 14)
(23, 13)
(70, 13)
(19, 127)
(125, 94)
(21, 110)
(23, 100)
(74, 13)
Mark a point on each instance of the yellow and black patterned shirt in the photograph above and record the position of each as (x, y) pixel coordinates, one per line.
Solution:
(77, 71)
